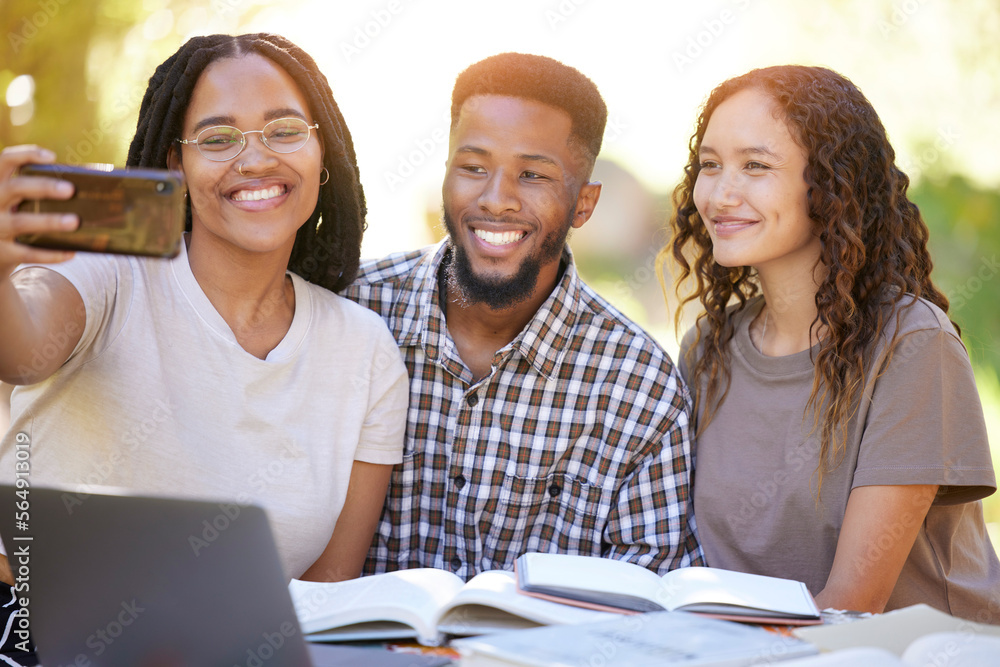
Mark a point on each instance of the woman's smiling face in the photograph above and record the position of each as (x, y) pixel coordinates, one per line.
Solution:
(261, 209)
(751, 191)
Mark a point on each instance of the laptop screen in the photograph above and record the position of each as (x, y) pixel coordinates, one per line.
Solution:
(130, 580)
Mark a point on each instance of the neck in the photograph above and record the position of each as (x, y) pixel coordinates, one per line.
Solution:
(479, 331)
(249, 290)
(790, 313)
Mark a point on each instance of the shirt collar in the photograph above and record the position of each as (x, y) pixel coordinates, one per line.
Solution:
(542, 342)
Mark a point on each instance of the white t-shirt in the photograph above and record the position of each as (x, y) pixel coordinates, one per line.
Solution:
(159, 397)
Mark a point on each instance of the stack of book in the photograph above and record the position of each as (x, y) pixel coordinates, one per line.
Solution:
(558, 609)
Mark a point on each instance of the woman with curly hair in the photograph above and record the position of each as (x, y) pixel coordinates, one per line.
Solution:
(840, 437)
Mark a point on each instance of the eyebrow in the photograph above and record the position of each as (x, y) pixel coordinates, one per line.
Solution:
(537, 158)
(272, 114)
(528, 157)
(749, 150)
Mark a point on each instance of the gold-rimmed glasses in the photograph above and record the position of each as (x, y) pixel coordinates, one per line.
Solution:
(220, 143)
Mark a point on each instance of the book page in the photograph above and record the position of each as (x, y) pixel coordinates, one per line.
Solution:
(412, 597)
(645, 640)
(894, 630)
(490, 603)
(590, 578)
(713, 590)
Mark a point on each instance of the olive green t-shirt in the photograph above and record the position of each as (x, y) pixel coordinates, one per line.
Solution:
(919, 422)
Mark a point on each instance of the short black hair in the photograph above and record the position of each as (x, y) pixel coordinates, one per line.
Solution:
(544, 80)
(327, 247)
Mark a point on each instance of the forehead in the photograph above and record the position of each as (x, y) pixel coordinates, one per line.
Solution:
(748, 118)
(244, 88)
(504, 125)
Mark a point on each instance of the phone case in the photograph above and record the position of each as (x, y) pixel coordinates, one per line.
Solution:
(126, 211)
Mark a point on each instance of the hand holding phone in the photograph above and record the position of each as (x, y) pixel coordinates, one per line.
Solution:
(13, 190)
(127, 211)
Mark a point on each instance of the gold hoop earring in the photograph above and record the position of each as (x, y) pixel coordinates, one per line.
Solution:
(240, 169)
(327, 179)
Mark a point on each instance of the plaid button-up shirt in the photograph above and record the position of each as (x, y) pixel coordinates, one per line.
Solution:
(578, 441)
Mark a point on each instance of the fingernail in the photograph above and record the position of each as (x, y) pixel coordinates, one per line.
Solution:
(68, 221)
(64, 188)
(47, 154)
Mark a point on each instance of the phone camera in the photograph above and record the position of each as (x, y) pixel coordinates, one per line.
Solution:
(163, 188)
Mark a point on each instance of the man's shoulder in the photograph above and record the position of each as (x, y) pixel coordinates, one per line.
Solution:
(599, 320)
(393, 268)
(380, 283)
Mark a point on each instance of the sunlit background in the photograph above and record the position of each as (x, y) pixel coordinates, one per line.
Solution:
(73, 72)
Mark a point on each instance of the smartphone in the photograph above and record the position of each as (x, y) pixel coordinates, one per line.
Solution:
(125, 211)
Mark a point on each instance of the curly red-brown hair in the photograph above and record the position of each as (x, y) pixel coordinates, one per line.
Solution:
(874, 244)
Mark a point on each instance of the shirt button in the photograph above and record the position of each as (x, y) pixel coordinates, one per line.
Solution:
(459, 481)
(555, 490)
(456, 563)
(472, 399)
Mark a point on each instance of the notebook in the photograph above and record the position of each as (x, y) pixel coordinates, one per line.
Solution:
(118, 579)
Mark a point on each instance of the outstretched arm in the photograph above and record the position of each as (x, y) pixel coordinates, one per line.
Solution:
(880, 526)
(345, 554)
(41, 313)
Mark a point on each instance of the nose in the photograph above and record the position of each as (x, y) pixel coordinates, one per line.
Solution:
(499, 194)
(726, 191)
(255, 154)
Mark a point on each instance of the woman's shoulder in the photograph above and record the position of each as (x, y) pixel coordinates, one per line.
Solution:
(736, 314)
(911, 314)
(332, 305)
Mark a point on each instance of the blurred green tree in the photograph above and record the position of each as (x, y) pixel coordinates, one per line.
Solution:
(965, 246)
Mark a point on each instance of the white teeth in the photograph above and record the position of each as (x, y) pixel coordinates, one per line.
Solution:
(258, 195)
(503, 238)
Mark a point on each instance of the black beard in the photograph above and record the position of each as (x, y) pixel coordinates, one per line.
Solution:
(501, 293)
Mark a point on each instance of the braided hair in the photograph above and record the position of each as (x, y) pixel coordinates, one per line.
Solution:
(327, 247)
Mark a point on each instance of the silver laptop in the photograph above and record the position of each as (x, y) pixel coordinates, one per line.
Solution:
(147, 581)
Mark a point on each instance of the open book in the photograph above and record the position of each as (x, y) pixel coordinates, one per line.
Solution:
(606, 584)
(905, 632)
(426, 604)
(645, 640)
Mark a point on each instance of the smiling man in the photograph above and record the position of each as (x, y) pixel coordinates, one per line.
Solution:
(541, 419)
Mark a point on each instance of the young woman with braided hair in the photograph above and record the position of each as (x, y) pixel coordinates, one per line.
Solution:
(233, 370)
(840, 437)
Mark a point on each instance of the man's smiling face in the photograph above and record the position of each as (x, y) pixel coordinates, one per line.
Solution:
(510, 197)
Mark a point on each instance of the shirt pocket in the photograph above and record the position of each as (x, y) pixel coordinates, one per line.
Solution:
(557, 512)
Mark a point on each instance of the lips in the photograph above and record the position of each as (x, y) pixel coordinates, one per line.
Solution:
(725, 225)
